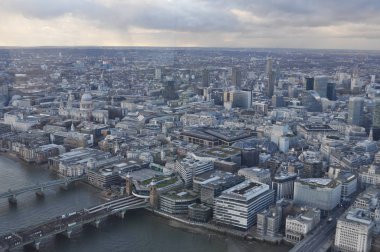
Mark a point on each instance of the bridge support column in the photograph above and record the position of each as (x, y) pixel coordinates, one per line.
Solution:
(64, 187)
(68, 233)
(40, 193)
(97, 223)
(12, 200)
(121, 214)
(36, 245)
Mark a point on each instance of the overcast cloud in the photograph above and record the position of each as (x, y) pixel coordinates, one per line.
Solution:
(231, 23)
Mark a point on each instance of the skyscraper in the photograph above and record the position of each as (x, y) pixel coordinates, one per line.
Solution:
(331, 93)
(309, 83)
(270, 78)
(320, 85)
(236, 77)
(355, 111)
(376, 114)
(205, 78)
(269, 66)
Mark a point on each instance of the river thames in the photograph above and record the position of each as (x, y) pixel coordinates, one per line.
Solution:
(139, 231)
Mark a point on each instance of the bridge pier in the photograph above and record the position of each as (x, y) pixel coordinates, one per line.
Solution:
(36, 245)
(68, 233)
(40, 193)
(121, 214)
(97, 223)
(64, 187)
(12, 200)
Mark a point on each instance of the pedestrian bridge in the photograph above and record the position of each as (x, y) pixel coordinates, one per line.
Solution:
(11, 194)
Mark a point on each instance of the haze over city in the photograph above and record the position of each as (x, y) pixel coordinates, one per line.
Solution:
(192, 23)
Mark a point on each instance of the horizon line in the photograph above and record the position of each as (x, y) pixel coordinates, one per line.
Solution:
(185, 47)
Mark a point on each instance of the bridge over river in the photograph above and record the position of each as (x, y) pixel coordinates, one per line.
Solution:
(11, 194)
(68, 223)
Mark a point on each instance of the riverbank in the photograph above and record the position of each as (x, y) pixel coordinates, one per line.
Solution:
(206, 228)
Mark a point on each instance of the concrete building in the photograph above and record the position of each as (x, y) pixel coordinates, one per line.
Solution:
(354, 231)
(256, 174)
(369, 175)
(269, 221)
(212, 183)
(324, 194)
(177, 202)
(283, 185)
(298, 226)
(189, 167)
(237, 99)
(238, 206)
(199, 212)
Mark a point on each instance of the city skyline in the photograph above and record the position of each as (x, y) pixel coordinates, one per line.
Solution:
(237, 24)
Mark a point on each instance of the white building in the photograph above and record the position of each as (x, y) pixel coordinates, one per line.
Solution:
(190, 167)
(354, 231)
(238, 206)
(297, 227)
(370, 175)
(324, 194)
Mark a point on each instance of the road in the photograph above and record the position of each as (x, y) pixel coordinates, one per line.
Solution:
(320, 235)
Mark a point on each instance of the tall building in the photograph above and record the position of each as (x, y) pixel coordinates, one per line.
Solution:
(158, 73)
(355, 111)
(238, 206)
(309, 83)
(331, 92)
(354, 231)
(205, 78)
(269, 66)
(169, 92)
(236, 77)
(376, 119)
(320, 85)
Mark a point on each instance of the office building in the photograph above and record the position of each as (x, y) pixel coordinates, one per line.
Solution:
(189, 167)
(237, 99)
(283, 185)
(324, 194)
(236, 77)
(256, 174)
(199, 212)
(212, 183)
(355, 111)
(238, 206)
(269, 221)
(331, 92)
(177, 201)
(309, 83)
(354, 231)
(205, 78)
(320, 85)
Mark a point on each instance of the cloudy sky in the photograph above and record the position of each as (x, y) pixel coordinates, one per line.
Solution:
(344, 24)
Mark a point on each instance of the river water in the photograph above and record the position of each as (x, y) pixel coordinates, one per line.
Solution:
(139, 231)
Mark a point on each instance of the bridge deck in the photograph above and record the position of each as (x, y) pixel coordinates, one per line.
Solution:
(66, 222)
(31, 188)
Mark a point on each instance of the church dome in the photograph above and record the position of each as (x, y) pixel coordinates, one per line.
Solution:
(86, 97)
